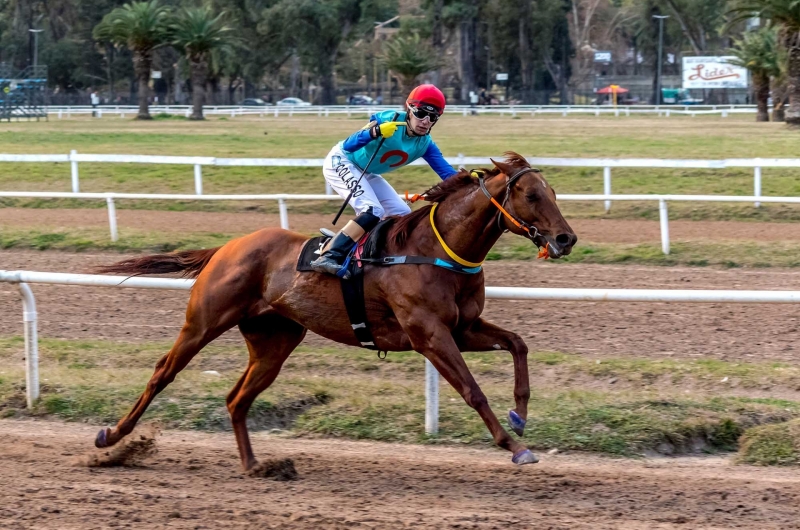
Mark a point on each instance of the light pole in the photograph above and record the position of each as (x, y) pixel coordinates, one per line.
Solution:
(35, 45)
(660, 46)
(488, 68)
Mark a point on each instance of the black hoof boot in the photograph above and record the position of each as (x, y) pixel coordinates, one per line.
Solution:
(330, 262)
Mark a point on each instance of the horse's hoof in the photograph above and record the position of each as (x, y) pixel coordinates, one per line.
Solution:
(516, 423)
(524, 457)
(102, 439)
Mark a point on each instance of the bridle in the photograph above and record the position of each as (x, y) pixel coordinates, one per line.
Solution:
(531, 232)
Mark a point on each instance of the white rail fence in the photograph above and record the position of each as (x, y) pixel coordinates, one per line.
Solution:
(30, 317)
(283, 209)
(757, 164)
(232, 111)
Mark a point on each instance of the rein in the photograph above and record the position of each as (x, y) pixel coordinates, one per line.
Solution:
(531, 232)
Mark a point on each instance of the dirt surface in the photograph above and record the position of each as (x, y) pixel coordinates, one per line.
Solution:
(592, 230)
(194, 481)
(724, 331)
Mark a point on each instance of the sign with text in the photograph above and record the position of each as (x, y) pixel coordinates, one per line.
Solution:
(602, 57)
(713, 72)
(502, 77)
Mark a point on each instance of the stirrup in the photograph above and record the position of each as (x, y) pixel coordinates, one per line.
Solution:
(342, 271)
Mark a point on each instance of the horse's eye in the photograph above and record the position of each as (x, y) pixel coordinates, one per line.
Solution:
(531, 198)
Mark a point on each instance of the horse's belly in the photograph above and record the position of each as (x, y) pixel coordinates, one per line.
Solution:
(316, 303)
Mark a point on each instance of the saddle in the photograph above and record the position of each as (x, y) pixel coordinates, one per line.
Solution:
(369, 250)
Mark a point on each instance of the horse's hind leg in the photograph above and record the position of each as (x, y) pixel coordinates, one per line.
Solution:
(270, 339)
(211, 312)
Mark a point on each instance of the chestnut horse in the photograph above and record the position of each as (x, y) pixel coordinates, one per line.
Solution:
(252, 282)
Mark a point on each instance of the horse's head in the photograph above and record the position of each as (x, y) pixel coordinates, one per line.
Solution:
(531, 202)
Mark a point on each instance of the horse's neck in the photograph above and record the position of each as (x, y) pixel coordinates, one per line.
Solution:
(468, 224)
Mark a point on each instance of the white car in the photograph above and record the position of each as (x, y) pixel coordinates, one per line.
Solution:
(293, 102)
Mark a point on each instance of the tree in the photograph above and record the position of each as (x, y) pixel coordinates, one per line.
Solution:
(316, 29)
(785, 14)
(758, 52)
(197, 32)
(143, 27)
(409, 57)
(701, 21)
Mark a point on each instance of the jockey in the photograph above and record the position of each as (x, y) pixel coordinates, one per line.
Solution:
(406, 137)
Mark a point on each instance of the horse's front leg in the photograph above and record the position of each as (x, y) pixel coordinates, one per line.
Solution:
(485, 336)
(434, 340)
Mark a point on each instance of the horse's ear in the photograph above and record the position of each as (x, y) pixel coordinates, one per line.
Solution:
(505, 168)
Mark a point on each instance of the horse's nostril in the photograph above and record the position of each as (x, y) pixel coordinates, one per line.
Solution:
(564, 240)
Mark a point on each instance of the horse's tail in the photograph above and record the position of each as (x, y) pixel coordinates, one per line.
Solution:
(188, 262)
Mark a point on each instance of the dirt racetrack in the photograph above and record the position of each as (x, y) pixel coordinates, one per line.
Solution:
(722, 331)
(194, 482)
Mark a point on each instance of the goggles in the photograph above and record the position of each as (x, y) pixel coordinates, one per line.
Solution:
(425, 111)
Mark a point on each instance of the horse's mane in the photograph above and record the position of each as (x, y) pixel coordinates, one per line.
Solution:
(402, 226)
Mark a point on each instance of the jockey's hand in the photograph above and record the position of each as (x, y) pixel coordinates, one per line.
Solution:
(386, 130)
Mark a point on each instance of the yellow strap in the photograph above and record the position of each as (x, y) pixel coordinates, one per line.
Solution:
(447, 249)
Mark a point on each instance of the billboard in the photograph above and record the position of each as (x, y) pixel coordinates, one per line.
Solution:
(713, 72)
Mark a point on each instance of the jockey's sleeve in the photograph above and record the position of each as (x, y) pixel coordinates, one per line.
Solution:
(358, 140)
(437, 162)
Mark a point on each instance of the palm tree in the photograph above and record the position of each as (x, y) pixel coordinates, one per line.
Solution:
(143, 27)
(758, 52)
(198, 33)
(785, 14)
(409, 57)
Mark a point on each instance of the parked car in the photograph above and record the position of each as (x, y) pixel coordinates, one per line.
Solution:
(293, 101)
(360, 99)
(678, 96)
(254, 102)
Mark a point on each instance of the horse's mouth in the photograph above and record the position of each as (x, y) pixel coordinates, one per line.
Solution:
(554, 250)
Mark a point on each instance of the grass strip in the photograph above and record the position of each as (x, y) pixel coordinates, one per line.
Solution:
(344, 392)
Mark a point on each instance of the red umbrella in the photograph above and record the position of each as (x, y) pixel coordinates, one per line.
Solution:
(610, 90)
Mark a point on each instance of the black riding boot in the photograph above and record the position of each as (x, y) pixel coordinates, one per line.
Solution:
(332, 259)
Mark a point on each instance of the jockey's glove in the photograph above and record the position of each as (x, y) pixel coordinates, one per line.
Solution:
(385, 130)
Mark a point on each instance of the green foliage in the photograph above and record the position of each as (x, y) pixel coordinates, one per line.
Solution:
(771, 445)
(785, 13)
(197, 32)
(409, 57)
(758, 51)
(315, 31)
(141, 26)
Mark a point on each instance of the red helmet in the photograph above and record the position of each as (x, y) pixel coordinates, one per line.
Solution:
(427, 96)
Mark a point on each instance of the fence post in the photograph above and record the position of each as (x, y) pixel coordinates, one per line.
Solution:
(112, 218)
(328, 189)
(31, 344)
(284, 214)
(76, 187)
(198, 179)
(757, 185)
(663, 217)
(59, 113)
(607, 185)
(431, 399)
